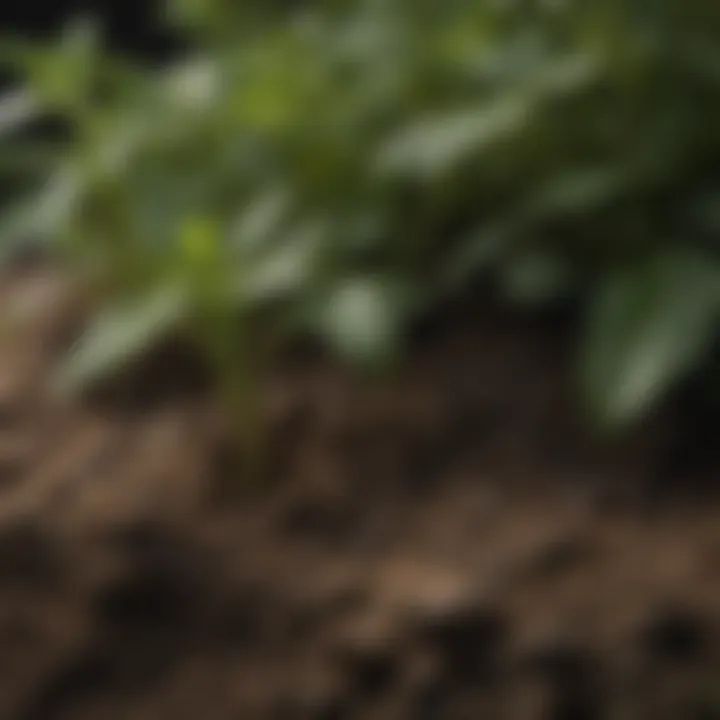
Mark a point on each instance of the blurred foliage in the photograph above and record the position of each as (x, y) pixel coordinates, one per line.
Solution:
(339, 167)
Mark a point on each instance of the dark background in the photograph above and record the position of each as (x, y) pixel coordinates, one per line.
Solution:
(131, 25)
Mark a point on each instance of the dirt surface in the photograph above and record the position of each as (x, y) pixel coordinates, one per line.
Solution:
(448, 545)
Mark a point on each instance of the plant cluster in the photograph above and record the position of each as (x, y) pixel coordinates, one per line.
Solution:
(338, 168)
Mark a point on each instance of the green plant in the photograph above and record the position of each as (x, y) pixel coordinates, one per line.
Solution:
(339, 169)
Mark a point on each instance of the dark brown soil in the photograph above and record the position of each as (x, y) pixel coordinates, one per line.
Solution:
(447, 545)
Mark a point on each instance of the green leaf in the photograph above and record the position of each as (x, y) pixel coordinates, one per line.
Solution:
(194, 84)
(14, 224)
(534, 278)
(285, 268)
(17, 109)
(434, 146)
(363, 320)
(648, 326)
(480, 250)
(118, 336)
(260, 222)
(199, 242)
(45, 215)
(580, 191)
(61, 75)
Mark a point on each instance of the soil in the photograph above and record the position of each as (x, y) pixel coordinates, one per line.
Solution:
(451, 543)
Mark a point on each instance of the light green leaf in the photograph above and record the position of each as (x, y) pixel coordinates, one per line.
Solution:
(118, 336)
(16, 110)
(194, 84)
(363, 319)
(434, 146)
(569, 74)
(261, 220)
(286, 268)
(648, 326)
(46, 215)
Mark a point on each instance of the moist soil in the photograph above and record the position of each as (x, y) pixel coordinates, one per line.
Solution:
(448, 543)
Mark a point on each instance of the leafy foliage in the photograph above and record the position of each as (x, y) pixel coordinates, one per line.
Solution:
(339, 168)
